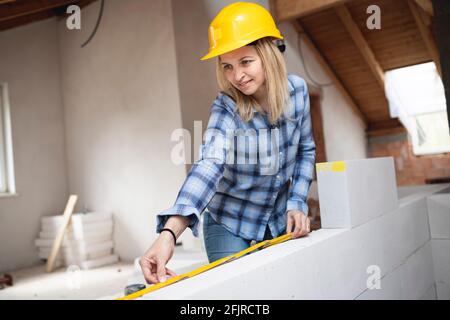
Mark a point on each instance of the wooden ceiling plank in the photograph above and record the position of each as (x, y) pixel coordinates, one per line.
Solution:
(426, 18)
(273, 9)
(22, 9)
(289, 9)
(386, 124)
(426, 35)
(23, 20)
(361, 43)
(41, 15)
(298, 27)
(426, 5)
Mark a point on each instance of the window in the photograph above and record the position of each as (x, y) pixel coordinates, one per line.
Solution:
(432, 133)
(416, 97)
(7, 185)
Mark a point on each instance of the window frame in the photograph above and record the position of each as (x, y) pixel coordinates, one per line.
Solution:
(8, 187)
(417, 150)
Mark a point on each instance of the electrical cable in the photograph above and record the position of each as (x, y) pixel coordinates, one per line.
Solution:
(320, 85)
(96, 25)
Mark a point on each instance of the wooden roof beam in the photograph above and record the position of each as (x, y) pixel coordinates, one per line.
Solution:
(348, 98)
(18, 9)
(426, 6)
(426, 35)
(385, 128)
(361, 43)
(290, 9)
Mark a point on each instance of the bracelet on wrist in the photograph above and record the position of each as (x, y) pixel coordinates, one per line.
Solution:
(173, 234)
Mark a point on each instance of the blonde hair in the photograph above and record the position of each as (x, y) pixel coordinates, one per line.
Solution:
(275, 80)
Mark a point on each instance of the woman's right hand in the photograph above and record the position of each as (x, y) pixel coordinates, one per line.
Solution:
(153, 262)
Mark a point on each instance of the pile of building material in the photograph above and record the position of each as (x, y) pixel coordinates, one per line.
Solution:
(87, 241)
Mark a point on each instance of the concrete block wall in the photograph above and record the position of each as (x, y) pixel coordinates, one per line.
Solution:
(338, 263)
(439, 216)
(328, 264)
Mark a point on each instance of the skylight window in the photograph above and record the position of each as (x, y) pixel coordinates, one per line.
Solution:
(416, 97)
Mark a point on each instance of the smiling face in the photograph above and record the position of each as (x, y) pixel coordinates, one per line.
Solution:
(244, 70)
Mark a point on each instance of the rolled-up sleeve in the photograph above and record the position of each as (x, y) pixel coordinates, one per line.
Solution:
(305, 159)
(203, 178)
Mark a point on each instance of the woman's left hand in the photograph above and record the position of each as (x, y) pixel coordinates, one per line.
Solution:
(297, 223)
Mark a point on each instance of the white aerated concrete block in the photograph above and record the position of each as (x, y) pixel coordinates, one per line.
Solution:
(72, 243)
(441, 259)
(87, 239)
(431, 294)
(390, 288)
(90, 264)
(82, 247)
(77, 218)
(443, 290)
(439, 215)
(345, 260)
(419, 224)
(394, 248)
(72, 257)
(404, 230)
(71, 236)
(417, 273)
(296, 278)
(413, 279)
(80, 231)
(355, 191)
(81, 226)
(320, 235)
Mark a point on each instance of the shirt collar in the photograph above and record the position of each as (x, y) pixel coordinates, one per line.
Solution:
(290, 86)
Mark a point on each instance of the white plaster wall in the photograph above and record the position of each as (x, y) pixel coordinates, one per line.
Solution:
(121, 106)
(344, 132)
(29, 63)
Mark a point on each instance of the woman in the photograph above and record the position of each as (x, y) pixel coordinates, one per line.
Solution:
(265, 196)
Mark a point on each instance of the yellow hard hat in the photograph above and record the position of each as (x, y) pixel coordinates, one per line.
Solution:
(237, 25)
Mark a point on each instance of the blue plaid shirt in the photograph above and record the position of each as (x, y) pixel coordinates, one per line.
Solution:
(249, 174)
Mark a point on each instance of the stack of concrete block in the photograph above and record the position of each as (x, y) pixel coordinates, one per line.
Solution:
(87, 242)
(439, 215)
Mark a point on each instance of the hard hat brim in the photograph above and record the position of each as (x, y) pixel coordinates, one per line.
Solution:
(224, 49)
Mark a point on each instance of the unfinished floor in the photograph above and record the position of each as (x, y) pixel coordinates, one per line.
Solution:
(101, 283)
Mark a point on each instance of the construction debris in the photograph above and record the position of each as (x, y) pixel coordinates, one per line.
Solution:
(87, 242)
(6, 281)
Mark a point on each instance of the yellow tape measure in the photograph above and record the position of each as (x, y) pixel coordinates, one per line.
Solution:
(190, 274)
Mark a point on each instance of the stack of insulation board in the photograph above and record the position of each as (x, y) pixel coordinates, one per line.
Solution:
(87, 242)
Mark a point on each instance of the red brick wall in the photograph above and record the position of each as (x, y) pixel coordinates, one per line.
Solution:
(410, 169)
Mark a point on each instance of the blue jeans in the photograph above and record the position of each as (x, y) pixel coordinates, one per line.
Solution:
(219, 242)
